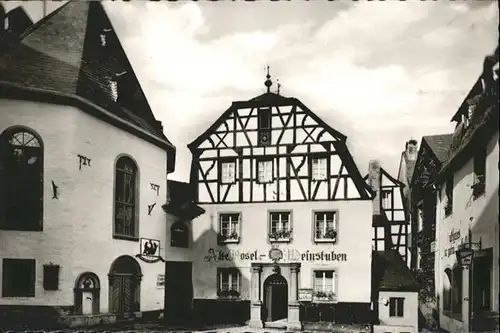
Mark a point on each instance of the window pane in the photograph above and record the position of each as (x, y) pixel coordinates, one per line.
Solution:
(125, 197)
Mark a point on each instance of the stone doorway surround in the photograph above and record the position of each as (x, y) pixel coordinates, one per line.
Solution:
(260, 272)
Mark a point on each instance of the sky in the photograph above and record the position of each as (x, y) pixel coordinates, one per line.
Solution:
(381, 73)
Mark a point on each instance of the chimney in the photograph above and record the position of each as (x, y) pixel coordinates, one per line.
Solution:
(374, 182)
(411, 150)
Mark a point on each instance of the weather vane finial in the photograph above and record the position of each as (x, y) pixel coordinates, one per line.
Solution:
(268, 82)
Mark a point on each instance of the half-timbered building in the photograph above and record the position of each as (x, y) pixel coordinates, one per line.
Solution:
(390, 217)
(83, 168)
(432, 154)
(288, 218)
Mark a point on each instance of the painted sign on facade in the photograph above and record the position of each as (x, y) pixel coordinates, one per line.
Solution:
(453, 237)
(305, 295)
(216, 255)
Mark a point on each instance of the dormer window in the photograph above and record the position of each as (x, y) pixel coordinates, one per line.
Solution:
(113, 88)
(103, 36)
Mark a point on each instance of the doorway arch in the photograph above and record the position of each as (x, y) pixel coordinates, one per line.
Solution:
(275, 298)
(87, 294)
(124, 286)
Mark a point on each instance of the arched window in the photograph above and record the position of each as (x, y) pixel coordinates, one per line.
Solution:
(447, 278)
(126, 224)
(87, 294)
(21, 180)
(179, 235)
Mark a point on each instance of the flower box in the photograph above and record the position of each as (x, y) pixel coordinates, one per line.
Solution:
(281, 236)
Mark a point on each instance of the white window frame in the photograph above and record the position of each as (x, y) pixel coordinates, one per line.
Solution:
(280, 225)
(231, 274)
(228, 172)
(233, 226)
(265, 171)
(319, 168)
(323, 288)
(325, 225)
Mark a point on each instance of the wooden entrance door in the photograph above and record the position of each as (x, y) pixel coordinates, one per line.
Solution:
(178, 292)
(124, 286)
(275, 298)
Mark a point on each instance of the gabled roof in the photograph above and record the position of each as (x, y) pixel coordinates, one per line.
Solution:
(390, 272)
(63, 55)
(439, 145)
(266, 99)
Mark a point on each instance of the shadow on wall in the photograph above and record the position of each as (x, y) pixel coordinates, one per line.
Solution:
(221, 288)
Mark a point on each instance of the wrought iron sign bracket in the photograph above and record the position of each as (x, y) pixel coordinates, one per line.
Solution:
(83, 161)
(155, 188)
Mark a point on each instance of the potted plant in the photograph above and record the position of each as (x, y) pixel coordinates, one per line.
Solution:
(282, 234)
(223, 238)
(330, 233)
(228, 293)
(324, 295)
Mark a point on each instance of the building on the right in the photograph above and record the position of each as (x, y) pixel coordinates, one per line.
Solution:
(467, 239)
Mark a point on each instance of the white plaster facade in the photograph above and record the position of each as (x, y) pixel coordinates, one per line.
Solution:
(481, 216)
(77, 227)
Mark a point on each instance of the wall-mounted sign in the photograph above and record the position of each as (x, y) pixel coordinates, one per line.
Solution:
(305, 295)
(275, 254)
(160, 281)
(149, 250)
(454, 235)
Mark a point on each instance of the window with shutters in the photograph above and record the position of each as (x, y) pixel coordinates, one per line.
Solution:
(265, 170)
(21, 180)
(126, 223)
(229, 282)
(396, 307)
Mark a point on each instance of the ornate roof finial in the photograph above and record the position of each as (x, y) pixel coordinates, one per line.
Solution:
(278, 86)
(268, 82)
